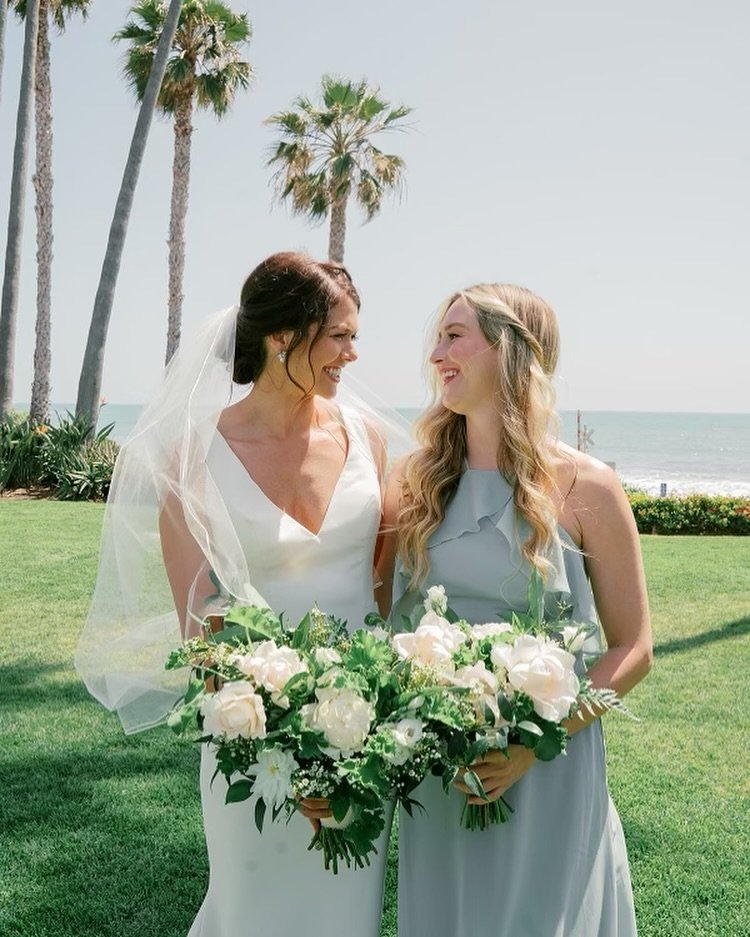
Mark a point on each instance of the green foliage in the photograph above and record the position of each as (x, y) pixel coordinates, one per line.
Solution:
(21, 452)
(64, 457)
(690, 514)
(325, 151)
(75, 787)
(205, 61)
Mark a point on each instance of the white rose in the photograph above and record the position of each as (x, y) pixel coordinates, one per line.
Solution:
(343, 716)
(236, 710)
(544, 671)
(500, 657)
(491, 628)
(432, 644)
(271, 667)
(436, 600)
(273, 775)
(574, 637)
(406, 733)
(483, 684)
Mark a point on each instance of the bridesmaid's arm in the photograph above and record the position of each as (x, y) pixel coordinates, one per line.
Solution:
(609, 541)
(598, 517)
(385, 560)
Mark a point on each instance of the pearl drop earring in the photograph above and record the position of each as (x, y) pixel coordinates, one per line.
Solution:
(281, 356)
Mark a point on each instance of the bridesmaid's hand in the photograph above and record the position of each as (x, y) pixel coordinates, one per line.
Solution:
(316, 809)
(498, 772)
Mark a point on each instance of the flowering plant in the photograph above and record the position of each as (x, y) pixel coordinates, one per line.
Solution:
(517, 682)
(310, 711)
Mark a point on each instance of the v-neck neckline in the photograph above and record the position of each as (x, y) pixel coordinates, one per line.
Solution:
(276, 507)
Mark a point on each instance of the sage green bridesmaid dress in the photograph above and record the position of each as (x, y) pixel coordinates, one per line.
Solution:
(559, 867)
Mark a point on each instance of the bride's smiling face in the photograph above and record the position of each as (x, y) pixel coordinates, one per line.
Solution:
(320, 361)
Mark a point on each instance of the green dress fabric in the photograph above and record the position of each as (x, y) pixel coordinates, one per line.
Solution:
(559, 867)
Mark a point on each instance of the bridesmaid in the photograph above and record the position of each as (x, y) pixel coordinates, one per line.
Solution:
(491, 495)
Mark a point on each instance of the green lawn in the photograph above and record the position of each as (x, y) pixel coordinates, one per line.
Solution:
(101, 834)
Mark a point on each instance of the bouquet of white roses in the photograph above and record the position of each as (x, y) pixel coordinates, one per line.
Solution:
(518, 682)
(310, 711)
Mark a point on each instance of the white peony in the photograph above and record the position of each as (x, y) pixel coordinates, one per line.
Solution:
(432, 644)
(236, 710)
(574, 637)
(271, 667)
(342, 715)
(543, 670)
(491, 628)
(273, 775)
(436, 600)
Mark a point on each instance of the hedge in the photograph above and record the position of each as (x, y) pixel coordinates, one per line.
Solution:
(690, 514)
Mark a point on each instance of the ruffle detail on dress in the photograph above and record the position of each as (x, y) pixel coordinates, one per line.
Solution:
(487, 494)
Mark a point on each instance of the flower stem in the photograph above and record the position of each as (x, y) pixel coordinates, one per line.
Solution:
(481, 816)
(334, 846)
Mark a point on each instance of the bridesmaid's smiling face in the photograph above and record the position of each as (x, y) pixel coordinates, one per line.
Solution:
(465, 361)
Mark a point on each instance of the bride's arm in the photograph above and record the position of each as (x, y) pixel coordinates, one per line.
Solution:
(183, 559)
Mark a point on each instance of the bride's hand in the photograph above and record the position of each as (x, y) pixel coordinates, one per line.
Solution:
(316, 809)
(498, 771)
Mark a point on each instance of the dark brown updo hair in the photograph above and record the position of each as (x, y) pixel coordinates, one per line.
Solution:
(287, 292)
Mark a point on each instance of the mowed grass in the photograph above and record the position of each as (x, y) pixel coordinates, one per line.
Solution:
(101, 834)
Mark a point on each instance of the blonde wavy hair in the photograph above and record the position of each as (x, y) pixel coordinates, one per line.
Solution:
(523, 329)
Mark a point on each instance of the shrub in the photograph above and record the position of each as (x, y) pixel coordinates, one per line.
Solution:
(690, 514)
(87, 473)
(21, 451)
(63, 456)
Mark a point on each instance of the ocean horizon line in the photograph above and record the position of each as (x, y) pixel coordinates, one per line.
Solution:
(70, 407)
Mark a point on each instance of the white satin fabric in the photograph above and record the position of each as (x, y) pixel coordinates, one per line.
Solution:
(270, 884)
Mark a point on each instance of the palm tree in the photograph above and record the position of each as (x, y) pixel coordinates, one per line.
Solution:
(12, 276)
(3, 18)
(59, 11)
(90, 382)
(325, 151)
(204, 70)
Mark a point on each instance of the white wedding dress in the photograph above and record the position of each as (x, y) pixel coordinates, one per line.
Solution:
(269, 885)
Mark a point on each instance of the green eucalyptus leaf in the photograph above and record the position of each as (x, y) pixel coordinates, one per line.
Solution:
(238, 791)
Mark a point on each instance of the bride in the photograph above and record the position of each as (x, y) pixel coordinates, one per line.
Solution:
(278, 497)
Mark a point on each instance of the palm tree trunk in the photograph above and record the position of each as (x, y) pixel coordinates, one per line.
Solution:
(11, 281)
(337, 232)
(90, 383)
(183, 132)
(42, 180)
(3, 18)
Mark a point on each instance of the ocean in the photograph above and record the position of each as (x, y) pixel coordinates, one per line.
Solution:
(704, 452)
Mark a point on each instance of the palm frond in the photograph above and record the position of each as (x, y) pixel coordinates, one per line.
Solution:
(205, 60)
(336, 146)
(289, 121)
(369, 194)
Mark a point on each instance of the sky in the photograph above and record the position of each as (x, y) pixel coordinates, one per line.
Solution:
(598, 153)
